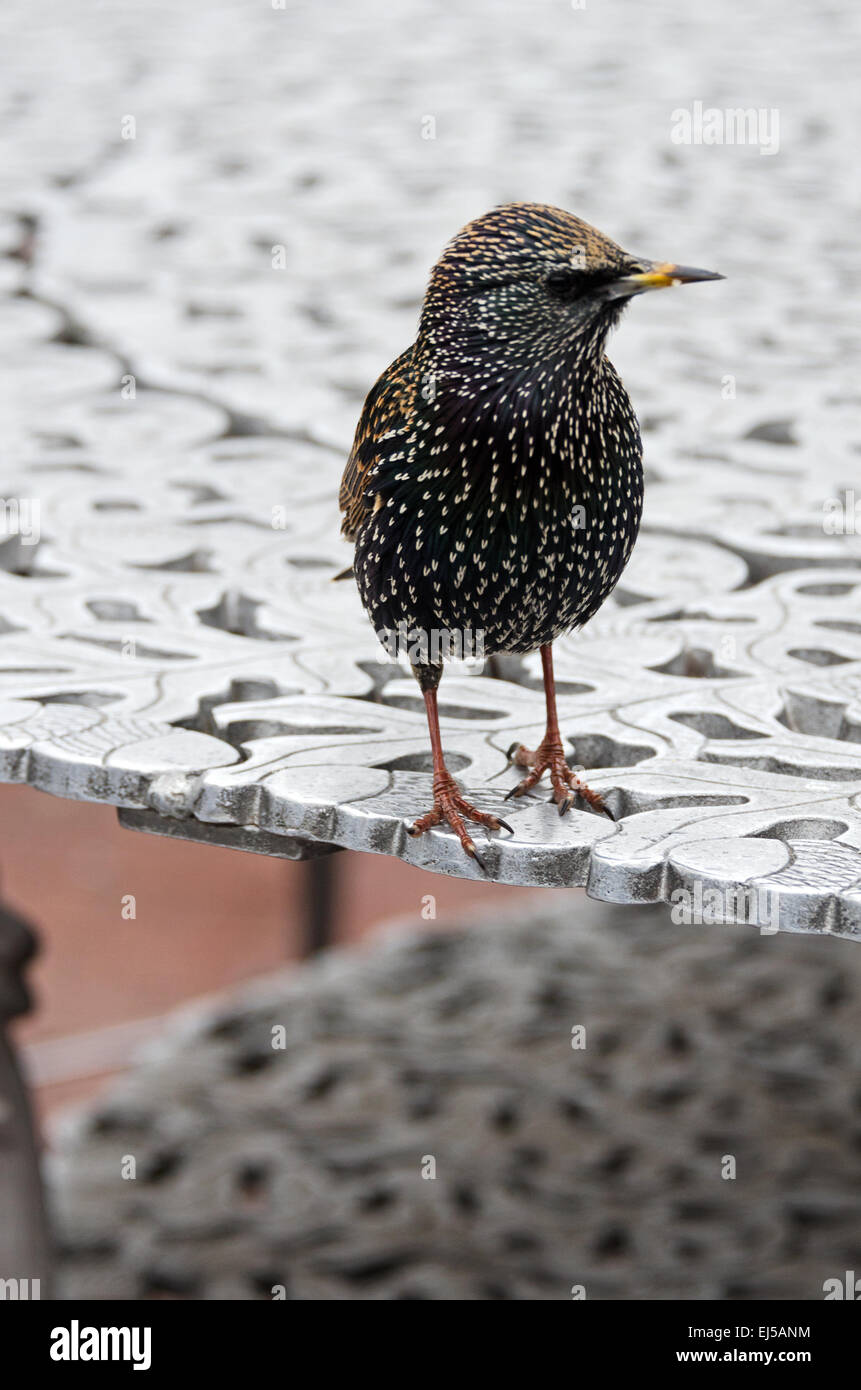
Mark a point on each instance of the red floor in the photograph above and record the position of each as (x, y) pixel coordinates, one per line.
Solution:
(205, 918)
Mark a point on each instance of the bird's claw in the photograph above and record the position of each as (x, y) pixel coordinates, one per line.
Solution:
(474, 854)
(451, 806)
(567, 784)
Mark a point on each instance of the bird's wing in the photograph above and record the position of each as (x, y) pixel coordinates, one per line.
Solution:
(387, 410)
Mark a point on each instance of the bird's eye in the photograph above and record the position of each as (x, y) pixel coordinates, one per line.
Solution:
(563, 281)
(566, 282)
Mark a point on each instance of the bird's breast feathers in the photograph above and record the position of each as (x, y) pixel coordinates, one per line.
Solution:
(515, 511)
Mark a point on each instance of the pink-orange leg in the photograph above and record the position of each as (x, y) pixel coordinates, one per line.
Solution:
(549, 756)
(449, 804)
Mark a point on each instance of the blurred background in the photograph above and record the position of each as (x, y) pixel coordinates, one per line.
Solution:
(240, 200)
(206, 919)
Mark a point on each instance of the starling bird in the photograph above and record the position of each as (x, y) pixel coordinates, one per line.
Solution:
(495, 483)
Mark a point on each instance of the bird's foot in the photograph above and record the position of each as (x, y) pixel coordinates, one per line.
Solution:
(566, 782)
(450, 805)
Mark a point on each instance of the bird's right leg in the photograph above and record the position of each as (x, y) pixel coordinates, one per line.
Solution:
(550, 757)
(449, 804)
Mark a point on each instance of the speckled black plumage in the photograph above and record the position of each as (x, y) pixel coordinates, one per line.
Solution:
(499, 457)
(495, 485)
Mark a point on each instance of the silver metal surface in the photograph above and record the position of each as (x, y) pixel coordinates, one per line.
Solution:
(182, 367)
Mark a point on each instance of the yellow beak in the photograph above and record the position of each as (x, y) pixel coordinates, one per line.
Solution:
(660, 275)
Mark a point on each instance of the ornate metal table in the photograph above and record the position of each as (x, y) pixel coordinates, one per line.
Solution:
(182, 372)
(207, 256)
(174, 646)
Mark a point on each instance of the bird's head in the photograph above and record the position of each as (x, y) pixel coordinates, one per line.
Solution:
(527, 282)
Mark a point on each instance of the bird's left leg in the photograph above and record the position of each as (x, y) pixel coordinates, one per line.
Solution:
(449, 804)
(550, 755)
